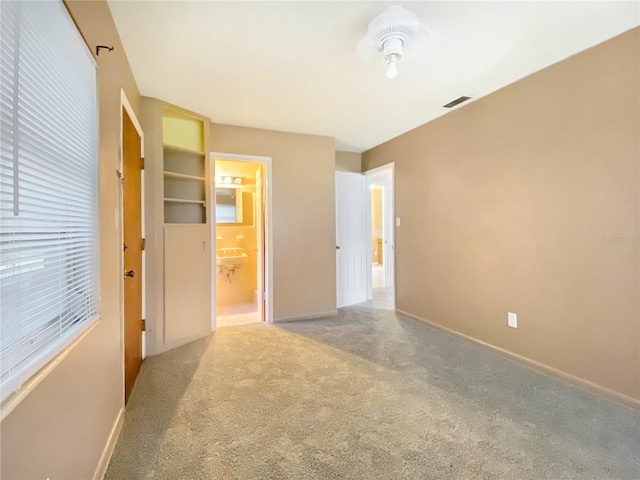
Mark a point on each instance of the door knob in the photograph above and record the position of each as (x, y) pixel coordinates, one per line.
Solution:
(129, 273)
(337, 247)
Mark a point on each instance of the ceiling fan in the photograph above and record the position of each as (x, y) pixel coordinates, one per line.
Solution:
(397, 33)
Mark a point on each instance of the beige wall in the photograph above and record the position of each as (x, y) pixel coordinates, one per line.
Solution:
(505, 205)
(61, 429)
(348, 162)
(304, 264)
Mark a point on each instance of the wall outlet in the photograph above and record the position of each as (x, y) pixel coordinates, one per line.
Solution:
(512, 320)
(397, 221)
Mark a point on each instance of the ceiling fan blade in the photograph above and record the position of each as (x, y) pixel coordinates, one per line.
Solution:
(421, 43)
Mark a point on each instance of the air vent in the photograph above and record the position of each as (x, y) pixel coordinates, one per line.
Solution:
(457, 101)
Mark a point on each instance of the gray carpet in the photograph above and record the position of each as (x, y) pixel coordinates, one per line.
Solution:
(364, 395)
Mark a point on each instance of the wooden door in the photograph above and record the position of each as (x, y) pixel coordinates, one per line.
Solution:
(351, 239)
(132, 236)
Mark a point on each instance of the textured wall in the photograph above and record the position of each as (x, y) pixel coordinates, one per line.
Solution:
(527, 201)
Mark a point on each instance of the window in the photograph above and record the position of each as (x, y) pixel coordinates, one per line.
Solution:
(48, 187)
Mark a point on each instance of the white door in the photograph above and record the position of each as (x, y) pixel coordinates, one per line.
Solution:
(259, 221)
(351, 238)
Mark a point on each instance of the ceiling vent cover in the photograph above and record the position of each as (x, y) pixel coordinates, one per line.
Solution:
(457, 101)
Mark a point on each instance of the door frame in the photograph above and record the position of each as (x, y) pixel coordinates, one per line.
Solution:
(388, 222)
(268, 230)
(119, 220)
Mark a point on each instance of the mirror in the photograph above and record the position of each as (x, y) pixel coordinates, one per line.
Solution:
(228, 205)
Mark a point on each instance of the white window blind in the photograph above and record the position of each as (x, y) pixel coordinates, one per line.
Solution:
(48, 187)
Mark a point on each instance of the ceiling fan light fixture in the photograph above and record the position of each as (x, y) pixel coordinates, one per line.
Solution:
(392, 68)
(395, 29)
(393, 45)
(392, 49)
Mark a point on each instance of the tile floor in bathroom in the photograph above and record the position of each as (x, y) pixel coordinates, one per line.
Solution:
(377, 275)
(239, 314)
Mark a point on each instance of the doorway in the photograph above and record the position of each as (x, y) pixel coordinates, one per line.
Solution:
(241, 220)
(381, 239)
(131, 176)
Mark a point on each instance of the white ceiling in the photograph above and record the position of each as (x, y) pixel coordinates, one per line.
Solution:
(294, 66)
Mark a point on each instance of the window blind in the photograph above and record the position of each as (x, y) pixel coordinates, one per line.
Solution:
(48, 187)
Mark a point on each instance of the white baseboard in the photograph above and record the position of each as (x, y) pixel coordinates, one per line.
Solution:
(541, 367)
(101, 469)
(309, 316)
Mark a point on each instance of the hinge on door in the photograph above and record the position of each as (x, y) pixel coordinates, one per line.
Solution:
(141, 163)
(143, 244)
(144, 325)
(120, 176)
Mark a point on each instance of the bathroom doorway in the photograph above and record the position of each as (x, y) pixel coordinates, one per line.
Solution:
(381, 223)
(378, 259)
(241, 225)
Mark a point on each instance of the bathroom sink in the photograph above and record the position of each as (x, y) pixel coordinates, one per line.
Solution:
(231, 256)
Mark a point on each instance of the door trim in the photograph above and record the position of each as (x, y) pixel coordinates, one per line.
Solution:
(388, 224)
(268, 227)
(119, 221)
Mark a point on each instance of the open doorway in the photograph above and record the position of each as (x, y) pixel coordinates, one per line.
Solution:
(378, 259)
(241, 229)
(381, 275)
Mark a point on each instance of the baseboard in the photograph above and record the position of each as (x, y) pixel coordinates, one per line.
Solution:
(101, 469)
(541, 367)
(309, 316)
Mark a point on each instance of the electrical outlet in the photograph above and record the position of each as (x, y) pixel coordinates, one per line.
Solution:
(512, 320)
(397, 221)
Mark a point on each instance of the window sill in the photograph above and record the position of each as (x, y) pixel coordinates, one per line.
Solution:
(13, 400)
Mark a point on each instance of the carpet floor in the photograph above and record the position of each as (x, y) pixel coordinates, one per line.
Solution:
(365, 395)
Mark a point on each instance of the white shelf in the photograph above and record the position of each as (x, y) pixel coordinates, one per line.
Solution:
(184, 169)
(175, 148)
(183, 200)
(182, 176)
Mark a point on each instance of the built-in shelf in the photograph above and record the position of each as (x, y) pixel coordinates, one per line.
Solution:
(184, 168)
(183, 200)
(183, 176)
(178, 230)
(177, 149)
